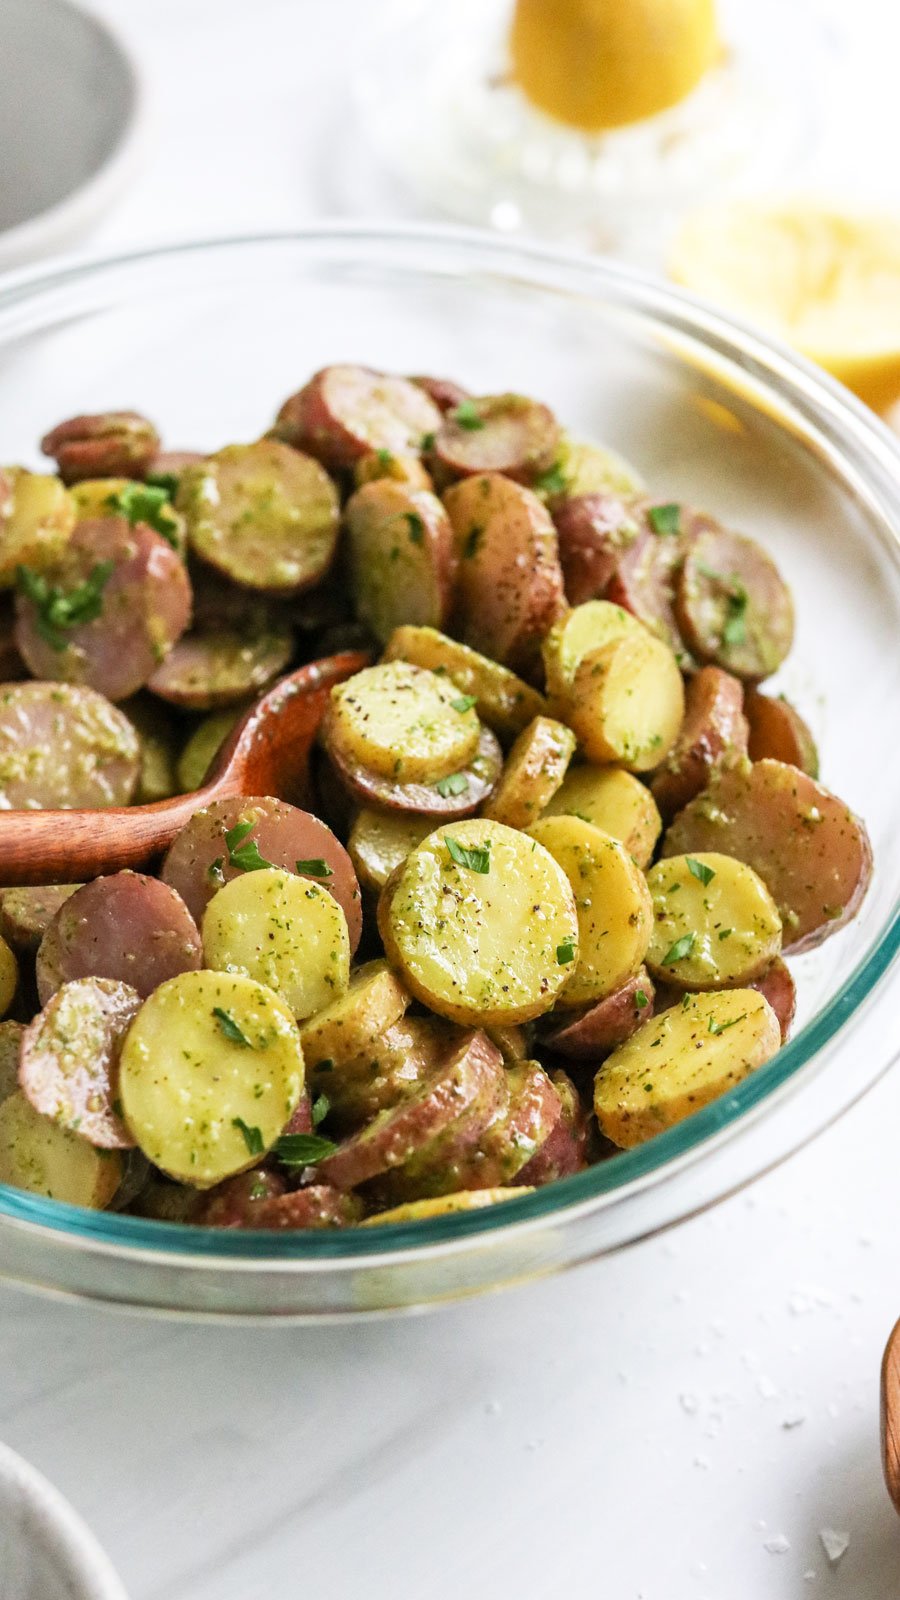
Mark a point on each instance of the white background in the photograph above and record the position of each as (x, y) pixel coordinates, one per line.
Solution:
(677, 1424)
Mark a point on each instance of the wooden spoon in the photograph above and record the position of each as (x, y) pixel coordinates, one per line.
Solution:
(890, 1416)
(266, 753)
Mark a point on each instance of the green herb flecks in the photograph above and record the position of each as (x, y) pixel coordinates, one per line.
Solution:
(565, 952)
(59, 610)
(416, 527)
(722, 1027)
(464, 703)
(640, 999)
(553, 482)
(468, 416)
(477, 858)
(245, 857)
(320, 1109)
(315, 867)
(230, 1028)
(679, 950)
(665, 519)
(700, 871)
(303, 1149)
(253, 1138)
(148, 503)
(472, 543)
(455, 784)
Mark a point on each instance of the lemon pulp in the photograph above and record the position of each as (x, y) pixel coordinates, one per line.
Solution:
(826, 282)
(597, 64)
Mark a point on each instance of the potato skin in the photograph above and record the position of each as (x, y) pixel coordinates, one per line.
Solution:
(675, 1064)
(778, 731)
(358, 785)
(806, 845)
(714, 732)
(595, 1032)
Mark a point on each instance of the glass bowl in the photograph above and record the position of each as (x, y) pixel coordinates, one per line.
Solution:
(208, 339)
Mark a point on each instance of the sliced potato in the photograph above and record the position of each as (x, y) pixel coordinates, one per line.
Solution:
(613, 800)
(286, 932)
(205, 742)
(401, 554)
(505, 702)
(475, 920)
(626, 702)
(445, 1204)
(715, 924)
(373, 1002)
(210, 1072)
(533, 771)
(402, 722)
(511, 1041)
(615, 914)
(9, 977)
(680, 1061)
(159, 747)
(92, 496)
(35, 530)
(38, 1155)
(10, 1044)
(584, 468)
(583, 629)
(380, 840)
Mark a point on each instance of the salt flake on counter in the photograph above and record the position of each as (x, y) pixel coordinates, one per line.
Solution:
(834, 1543)
(779, 1546)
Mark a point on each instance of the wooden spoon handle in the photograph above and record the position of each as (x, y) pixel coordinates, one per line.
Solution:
(890, 1416)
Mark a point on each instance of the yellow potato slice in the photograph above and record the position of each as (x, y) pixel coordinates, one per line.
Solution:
(380, 840)
(626, 702)
(35, 530)
(681, 1060)
(615, 801)
(583, 468)
(93, 495)
(480, 922)
(506, 703)
(403, 722)
(9, 977)
(210, 1072)
(715, 924)
(205, 742)
(445, 1204)
(374, 1001)
(38, 1155)
(615, 914)
(583, 629)
(286, 932)
(532, 773)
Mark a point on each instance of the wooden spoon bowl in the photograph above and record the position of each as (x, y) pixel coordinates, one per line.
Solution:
(266, 753)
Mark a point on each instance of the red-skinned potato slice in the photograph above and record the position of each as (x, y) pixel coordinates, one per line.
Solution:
(317, 1206)
(446, 801)
(26, 913)
(646, 575)
(143, 607)
(593, 531)
(126, 927)
(779, 733)
(107, 444)
(262, 515)
(598, 1029)
(394, 1067)
(734, 608)
(809, 849)
(64, 746)
(446, 394)
(207, 671)
(565, 1150)
(346, 411)
(170, 464)
(69, 1059)
(530, 1110)
(506, 433)
(509, 583)
(777, 986)
(714, 732)
(468, 1084)
(235, 1202)
(197, 864)
(402, 557)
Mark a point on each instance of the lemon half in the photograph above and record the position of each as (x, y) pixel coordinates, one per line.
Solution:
(826, 282)
(597, 64)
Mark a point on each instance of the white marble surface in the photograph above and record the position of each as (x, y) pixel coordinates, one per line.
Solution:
(677, 1424)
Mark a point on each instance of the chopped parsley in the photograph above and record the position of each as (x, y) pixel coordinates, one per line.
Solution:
(315, 867)
(700, 871)
(230, 1028)
(734, 628)
(455, 784)
(552, 482)
(141, 502)
(665, 519)
(416, 527)
(303, 1149)
(722, 1027)
(245, 857)
(565, 952)
(214, 873)
(428, 441)
(640, 999)
(477, 859)
(467, 416)
(320, 1109)
(164, 480)
(253, 1138)
(725, 933)
(677, 951)
(473, 540)
(59, 610)
(384, 457)
(464, 703)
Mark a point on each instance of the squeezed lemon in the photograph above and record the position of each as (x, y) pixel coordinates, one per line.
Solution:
(826, 282)
(597, 64)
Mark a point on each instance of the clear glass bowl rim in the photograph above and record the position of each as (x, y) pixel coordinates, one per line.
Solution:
(875, 454)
